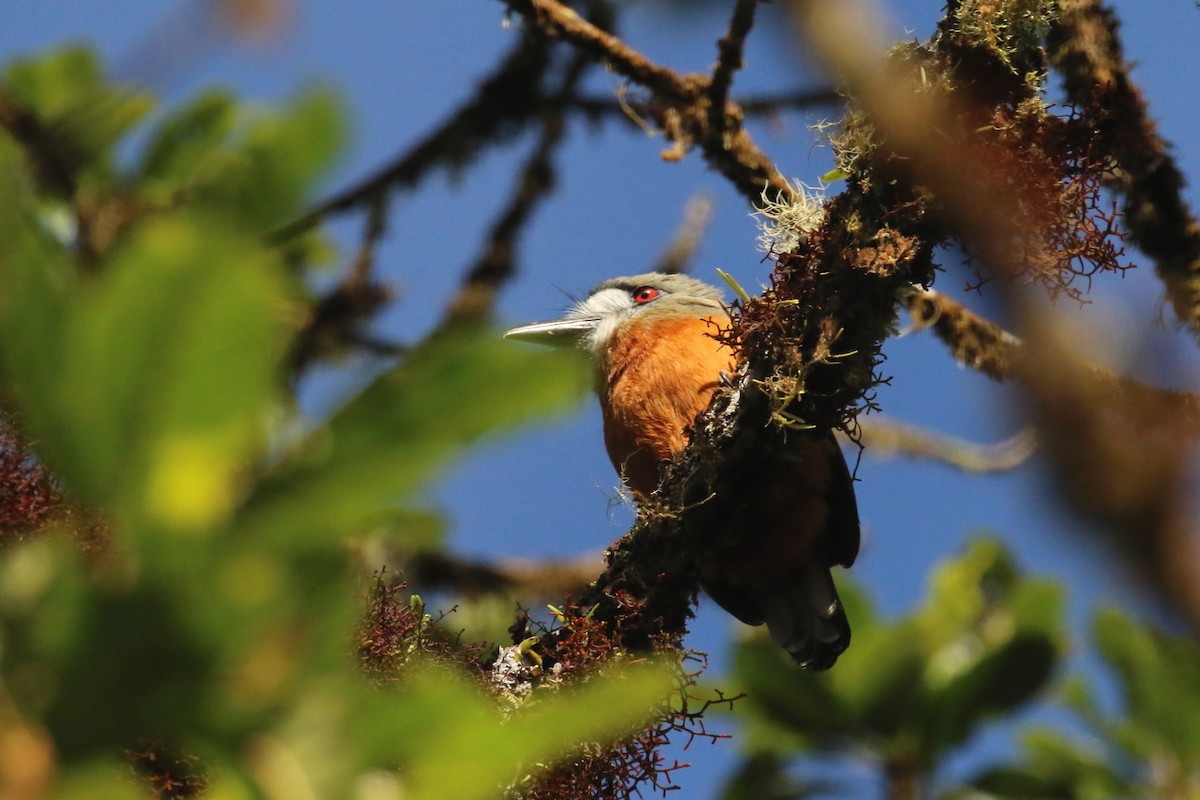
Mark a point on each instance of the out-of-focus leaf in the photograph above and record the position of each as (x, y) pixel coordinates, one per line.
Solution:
(1077, 694)
(789, 699)
(993, 659)
(266, 176)
(410, 528)
(35, 271)
(98, 780)
(389, 439)
(1063, 760)
(1003, 679)
(984, 642)
(455, 720)
(448, 739)
(1160, 676)
(131, 672)
(148, 384)
(183, 145)
(80, 115)
(882, 701)
(962, 589)
(1018, 783)
(1053, 767)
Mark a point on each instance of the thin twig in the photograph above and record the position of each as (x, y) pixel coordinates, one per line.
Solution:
(687, 239)
(884, 438)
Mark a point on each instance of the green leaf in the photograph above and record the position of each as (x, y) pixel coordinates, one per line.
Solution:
(788, 699)
(185, 143)
(834, 175)
(449, 739)
(1001, 680)
(98, 780)
(268, 175)
(963, 588)
(1160, 676)
(149, 384)
(388, 440)
(455, 720)
(1052, 766)
(80, 116)
(883, 701)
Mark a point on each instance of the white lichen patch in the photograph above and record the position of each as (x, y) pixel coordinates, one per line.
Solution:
(783, 222)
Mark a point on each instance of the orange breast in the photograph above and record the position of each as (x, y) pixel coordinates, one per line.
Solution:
(659, 375)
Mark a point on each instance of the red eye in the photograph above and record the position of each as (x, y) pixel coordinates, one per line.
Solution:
(644, 294)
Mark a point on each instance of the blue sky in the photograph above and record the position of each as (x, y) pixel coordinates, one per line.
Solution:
(401, 65)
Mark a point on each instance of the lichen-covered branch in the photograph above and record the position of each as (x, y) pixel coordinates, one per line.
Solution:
(1121, 466)
(1087, 52)
(983, 345)
(680, 104)
(974, 341)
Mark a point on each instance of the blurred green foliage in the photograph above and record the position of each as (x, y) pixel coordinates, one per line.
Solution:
(143, 328)
(985, 643)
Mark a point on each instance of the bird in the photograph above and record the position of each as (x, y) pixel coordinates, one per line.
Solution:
(653, 339)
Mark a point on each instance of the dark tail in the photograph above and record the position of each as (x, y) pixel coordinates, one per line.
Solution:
(804, 615)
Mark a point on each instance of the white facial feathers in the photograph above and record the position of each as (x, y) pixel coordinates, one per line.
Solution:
(592, 322)
(609, 309)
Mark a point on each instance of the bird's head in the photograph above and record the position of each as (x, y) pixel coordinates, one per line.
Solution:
(595, 320)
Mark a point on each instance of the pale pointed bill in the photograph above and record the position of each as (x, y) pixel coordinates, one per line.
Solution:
(561, 331)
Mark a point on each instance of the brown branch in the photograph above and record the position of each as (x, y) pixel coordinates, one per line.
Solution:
(1088, 53)
(774, 103)
(905, 779)
(680, 105)
(335, 320)
(1120, 464)
(974, 341)
(496, 266)
(554, 17)
(598, 108)
(521, 578)
(983, 345)
(729, 59)
(503, 104)
(690, 234)
(883, 438)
